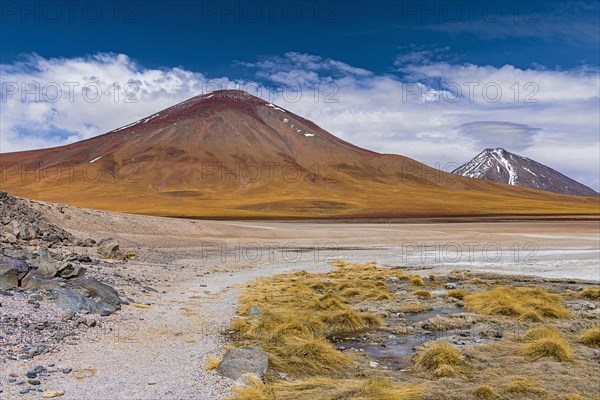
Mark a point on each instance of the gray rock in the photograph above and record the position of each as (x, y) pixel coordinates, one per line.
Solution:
(47, 267)
(38, 281)
(65, 370)
(11, 272)
(254, 310)
(239, 361)
(10, 238)
(74, 301)
(27, 233)
(69, 270)
(97, 291)
(108, 247)
(34, 382)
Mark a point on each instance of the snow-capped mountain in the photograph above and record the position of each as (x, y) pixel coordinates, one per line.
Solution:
(499, 165)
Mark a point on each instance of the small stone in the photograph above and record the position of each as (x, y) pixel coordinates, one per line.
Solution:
(24, 391)
(31, 374)
(254, 310)
(39, 369)
(34, 382)
(12, 380)
(65, 370)
(373, 364)
(50, 394)
(152, 383)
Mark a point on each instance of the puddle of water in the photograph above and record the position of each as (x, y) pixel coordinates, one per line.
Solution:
(442, 312)
(395, 351)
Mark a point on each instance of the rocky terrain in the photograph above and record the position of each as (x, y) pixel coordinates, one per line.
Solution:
(51, 289)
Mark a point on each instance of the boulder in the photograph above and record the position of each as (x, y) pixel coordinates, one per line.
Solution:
(108, 248)
(38, 281)
(98, 291)
(69, 270)
(11, 272)
(71, 300)
(239, 361)
(27, 233)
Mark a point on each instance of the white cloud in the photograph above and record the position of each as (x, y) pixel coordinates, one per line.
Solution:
(421, 115)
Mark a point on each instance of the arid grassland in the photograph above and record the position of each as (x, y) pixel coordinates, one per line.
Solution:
(367, 332)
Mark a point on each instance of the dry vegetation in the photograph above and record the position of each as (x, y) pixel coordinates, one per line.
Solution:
(299, 314)
(528, 303)
(439, 359)
(327, 389)
(591, 337)
(546, 341)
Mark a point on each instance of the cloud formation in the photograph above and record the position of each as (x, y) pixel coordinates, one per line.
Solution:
(437, 112)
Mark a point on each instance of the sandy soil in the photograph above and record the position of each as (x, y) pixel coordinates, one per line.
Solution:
(197, 267)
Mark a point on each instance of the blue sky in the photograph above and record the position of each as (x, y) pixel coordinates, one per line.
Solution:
(372, 52)
(206, 36)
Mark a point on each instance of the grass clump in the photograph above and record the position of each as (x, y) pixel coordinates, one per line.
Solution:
(457, 293)
(532, 303)
(211, 363)
(439, 359)
(423, 294)
(591, 337)
(546, 341)
(591, 293)
(417, 281)
(573, 396)
(326, 389)
(520, 385)
(485, 392)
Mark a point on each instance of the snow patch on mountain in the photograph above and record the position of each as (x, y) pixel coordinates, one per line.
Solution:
(499, 165)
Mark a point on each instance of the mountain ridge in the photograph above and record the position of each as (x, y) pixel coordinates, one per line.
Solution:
(228, 154)
(500, 165)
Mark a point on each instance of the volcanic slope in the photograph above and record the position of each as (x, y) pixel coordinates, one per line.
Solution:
(229, 154)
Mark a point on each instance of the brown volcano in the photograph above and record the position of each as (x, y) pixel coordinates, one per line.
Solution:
(230, 154)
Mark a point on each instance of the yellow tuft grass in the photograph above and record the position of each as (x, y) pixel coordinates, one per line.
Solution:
(591, 293)
(211, 363)
(542, 332)
(521, 386)
(417, 281)
(423, 294)
(591, 337)
(546, 341)
(485, 392)
(531, 303)
(439, 359)
(326, 389)
(457, 293)
(573, 396)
